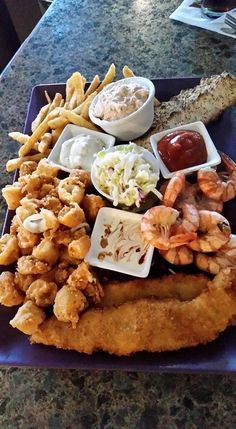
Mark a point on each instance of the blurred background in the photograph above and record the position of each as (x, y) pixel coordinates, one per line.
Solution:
(17, 20)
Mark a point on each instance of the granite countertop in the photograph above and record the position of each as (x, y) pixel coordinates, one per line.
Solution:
(88, 35)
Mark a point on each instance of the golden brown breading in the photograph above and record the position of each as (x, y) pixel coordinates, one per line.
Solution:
(9, 249)
(23, 281)
(92, 204)
(9, 295)
(27, 167)
(28, 318)
(82, 175)
(69, 304)
(148, 324)
(42, 293)
(30, 265)
(83, 278)
(181, 286)
(78, 249)
(46, 251)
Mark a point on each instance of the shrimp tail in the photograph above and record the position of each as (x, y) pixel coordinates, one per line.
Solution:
(180, 239)
(227, 161)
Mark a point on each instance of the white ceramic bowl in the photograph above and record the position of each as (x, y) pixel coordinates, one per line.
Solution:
(213, 158)
(147, 156)
(107, 215)
(133, 125)
(71, 131)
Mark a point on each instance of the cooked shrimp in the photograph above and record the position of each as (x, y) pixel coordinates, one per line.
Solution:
(213, 232)
(178, 256)
(224, 258)
(192, 194)
(219, 186)
(173, 189)
(188, 223)
(157, 224)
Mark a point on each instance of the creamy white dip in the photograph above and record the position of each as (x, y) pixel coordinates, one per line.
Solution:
(79, 151)
(120, 101)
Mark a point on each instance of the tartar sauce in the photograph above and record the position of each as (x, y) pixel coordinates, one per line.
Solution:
(79, 151)
(120, 101)
(121, 241)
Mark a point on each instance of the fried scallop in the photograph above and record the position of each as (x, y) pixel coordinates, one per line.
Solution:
(28, 318)
(9, 294)
(69, 304)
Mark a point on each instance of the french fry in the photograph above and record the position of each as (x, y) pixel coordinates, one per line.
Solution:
(78, 120)
(93, 86)
(58, 122)
(72, 103)
(48, 98)
(38, 133)
(15, 163)
(55, 102)
(56, 134)
(19, 137)
(74, 90)
(62, 103)
(108, 78)
(45, 142)
(40, 117)
(86, 104)
(79, 108)
(127, 72)
(79, 82)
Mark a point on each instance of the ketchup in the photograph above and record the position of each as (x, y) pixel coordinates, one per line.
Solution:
(182, 149)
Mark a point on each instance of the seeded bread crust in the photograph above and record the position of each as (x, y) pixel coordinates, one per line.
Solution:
(203, 103)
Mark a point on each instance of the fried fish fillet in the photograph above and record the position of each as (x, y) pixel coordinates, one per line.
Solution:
(181, 286)
(148, 324)
(205, 102)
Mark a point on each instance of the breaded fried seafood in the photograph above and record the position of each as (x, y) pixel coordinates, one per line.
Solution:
(28, 318)
(148, 324)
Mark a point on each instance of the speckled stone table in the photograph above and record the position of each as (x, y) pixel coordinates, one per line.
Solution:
(88, 35)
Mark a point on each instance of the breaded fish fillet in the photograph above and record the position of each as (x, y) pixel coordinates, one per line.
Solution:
(205, 103)
(148, 324)
(181, 286)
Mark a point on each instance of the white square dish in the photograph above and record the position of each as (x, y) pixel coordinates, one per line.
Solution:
(213, 157)
(108, 255)
(71, 131)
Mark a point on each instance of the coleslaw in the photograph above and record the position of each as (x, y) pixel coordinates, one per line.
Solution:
(125, 175)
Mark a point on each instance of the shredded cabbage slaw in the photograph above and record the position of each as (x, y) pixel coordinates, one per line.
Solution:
(125, 175)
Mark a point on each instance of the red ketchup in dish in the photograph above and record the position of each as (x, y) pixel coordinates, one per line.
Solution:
(182, 149)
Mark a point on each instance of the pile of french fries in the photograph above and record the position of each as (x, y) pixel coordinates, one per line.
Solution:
(57, 113)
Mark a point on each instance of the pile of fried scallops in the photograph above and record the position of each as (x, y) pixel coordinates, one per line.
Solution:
(61, 300)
